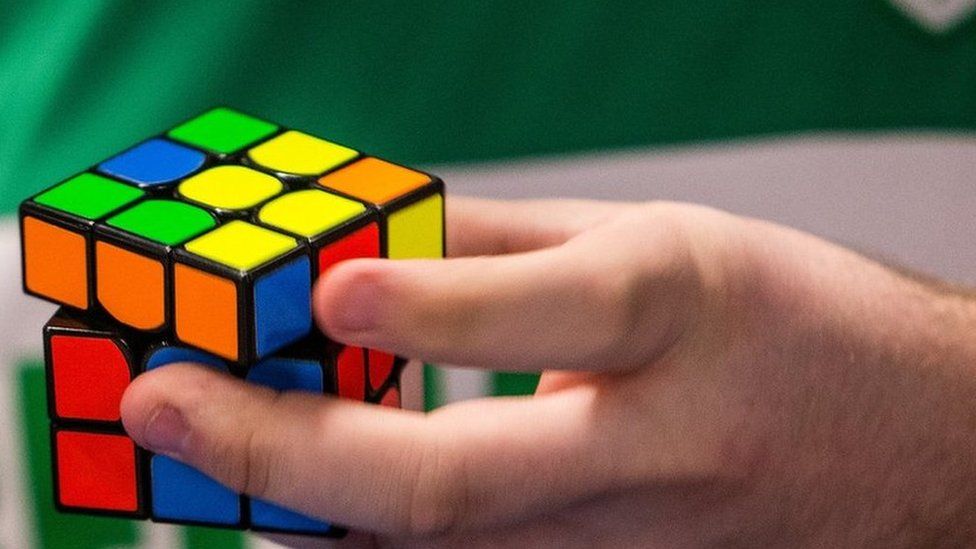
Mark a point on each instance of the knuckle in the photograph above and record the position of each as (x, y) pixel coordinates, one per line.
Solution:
(438, 502)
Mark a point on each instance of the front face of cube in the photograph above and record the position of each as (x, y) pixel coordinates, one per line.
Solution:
(242, 292)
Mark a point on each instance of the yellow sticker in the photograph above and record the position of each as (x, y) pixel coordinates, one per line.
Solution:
(309, 213)
(230, 187)
(417, 231)
(241, 245)
(301, 154)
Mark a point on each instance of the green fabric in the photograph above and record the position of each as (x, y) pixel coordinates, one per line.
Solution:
(222, 130)
(88, 195)
(452, 81)
(164, 221)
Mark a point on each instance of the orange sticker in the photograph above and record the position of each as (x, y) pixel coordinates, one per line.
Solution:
(55, 263)
(206, 311)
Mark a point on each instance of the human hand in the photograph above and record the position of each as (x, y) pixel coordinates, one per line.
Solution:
(707, 379)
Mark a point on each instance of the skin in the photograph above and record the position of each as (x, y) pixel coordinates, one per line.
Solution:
(707, 380)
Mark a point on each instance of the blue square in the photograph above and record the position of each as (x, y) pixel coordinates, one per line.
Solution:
(169, 354)
(181, 493)
(269, 516)
(286, 374)
(282, 306)
(154, 162)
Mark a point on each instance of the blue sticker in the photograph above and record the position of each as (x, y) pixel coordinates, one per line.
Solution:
(180, 492)
(283, 306)
(274, 517)
(287, 374)
(161, 356)
(154, 162)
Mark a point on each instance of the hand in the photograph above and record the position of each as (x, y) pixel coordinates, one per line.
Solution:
(707, 379)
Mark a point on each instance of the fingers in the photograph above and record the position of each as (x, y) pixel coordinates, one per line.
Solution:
(478, 226)
(611, 300)
(370, 467)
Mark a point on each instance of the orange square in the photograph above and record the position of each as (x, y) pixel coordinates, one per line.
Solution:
(206, 311)
(55, 263)
(130, 286)
(374, 180)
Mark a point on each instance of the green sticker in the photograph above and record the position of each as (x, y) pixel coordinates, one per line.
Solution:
(88, 195)
(222, 130)
(164, 221)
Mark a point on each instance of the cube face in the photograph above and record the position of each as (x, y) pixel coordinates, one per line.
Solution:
(97, 472)
(201, 245)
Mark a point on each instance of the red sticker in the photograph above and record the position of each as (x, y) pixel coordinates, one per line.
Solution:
(364, 242)
(351, 373)
(96, 471)
(90, 374)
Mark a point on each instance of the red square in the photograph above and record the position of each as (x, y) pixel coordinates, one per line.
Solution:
(364, 242)
(380, 368)
(351, 373)
(391, 398)
(89, 375)
(96, 471)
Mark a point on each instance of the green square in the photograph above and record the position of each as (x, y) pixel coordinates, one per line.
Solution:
(167, 222)
(89, 196)
(222, 130)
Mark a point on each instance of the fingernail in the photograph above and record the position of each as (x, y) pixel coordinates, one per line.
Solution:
(358, 309)
(167, 432)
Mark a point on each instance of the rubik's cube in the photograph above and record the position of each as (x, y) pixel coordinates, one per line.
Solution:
(202, 245)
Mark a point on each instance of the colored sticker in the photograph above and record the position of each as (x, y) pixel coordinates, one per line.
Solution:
(96, 471)
(417, 231)
(154, 162)
(282, 306)
(230, 187)
(90, 374)
(222, 130)
(241, 245)
(55, 263)
(205, 311)
(130, 286)
(301, 154)
(182, 493)
(375, 180)
(309, 213)
(89, 196)
(166, 222)
(364, 242)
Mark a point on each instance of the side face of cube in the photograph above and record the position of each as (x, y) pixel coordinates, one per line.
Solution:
(97, 468)
(242, 292)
